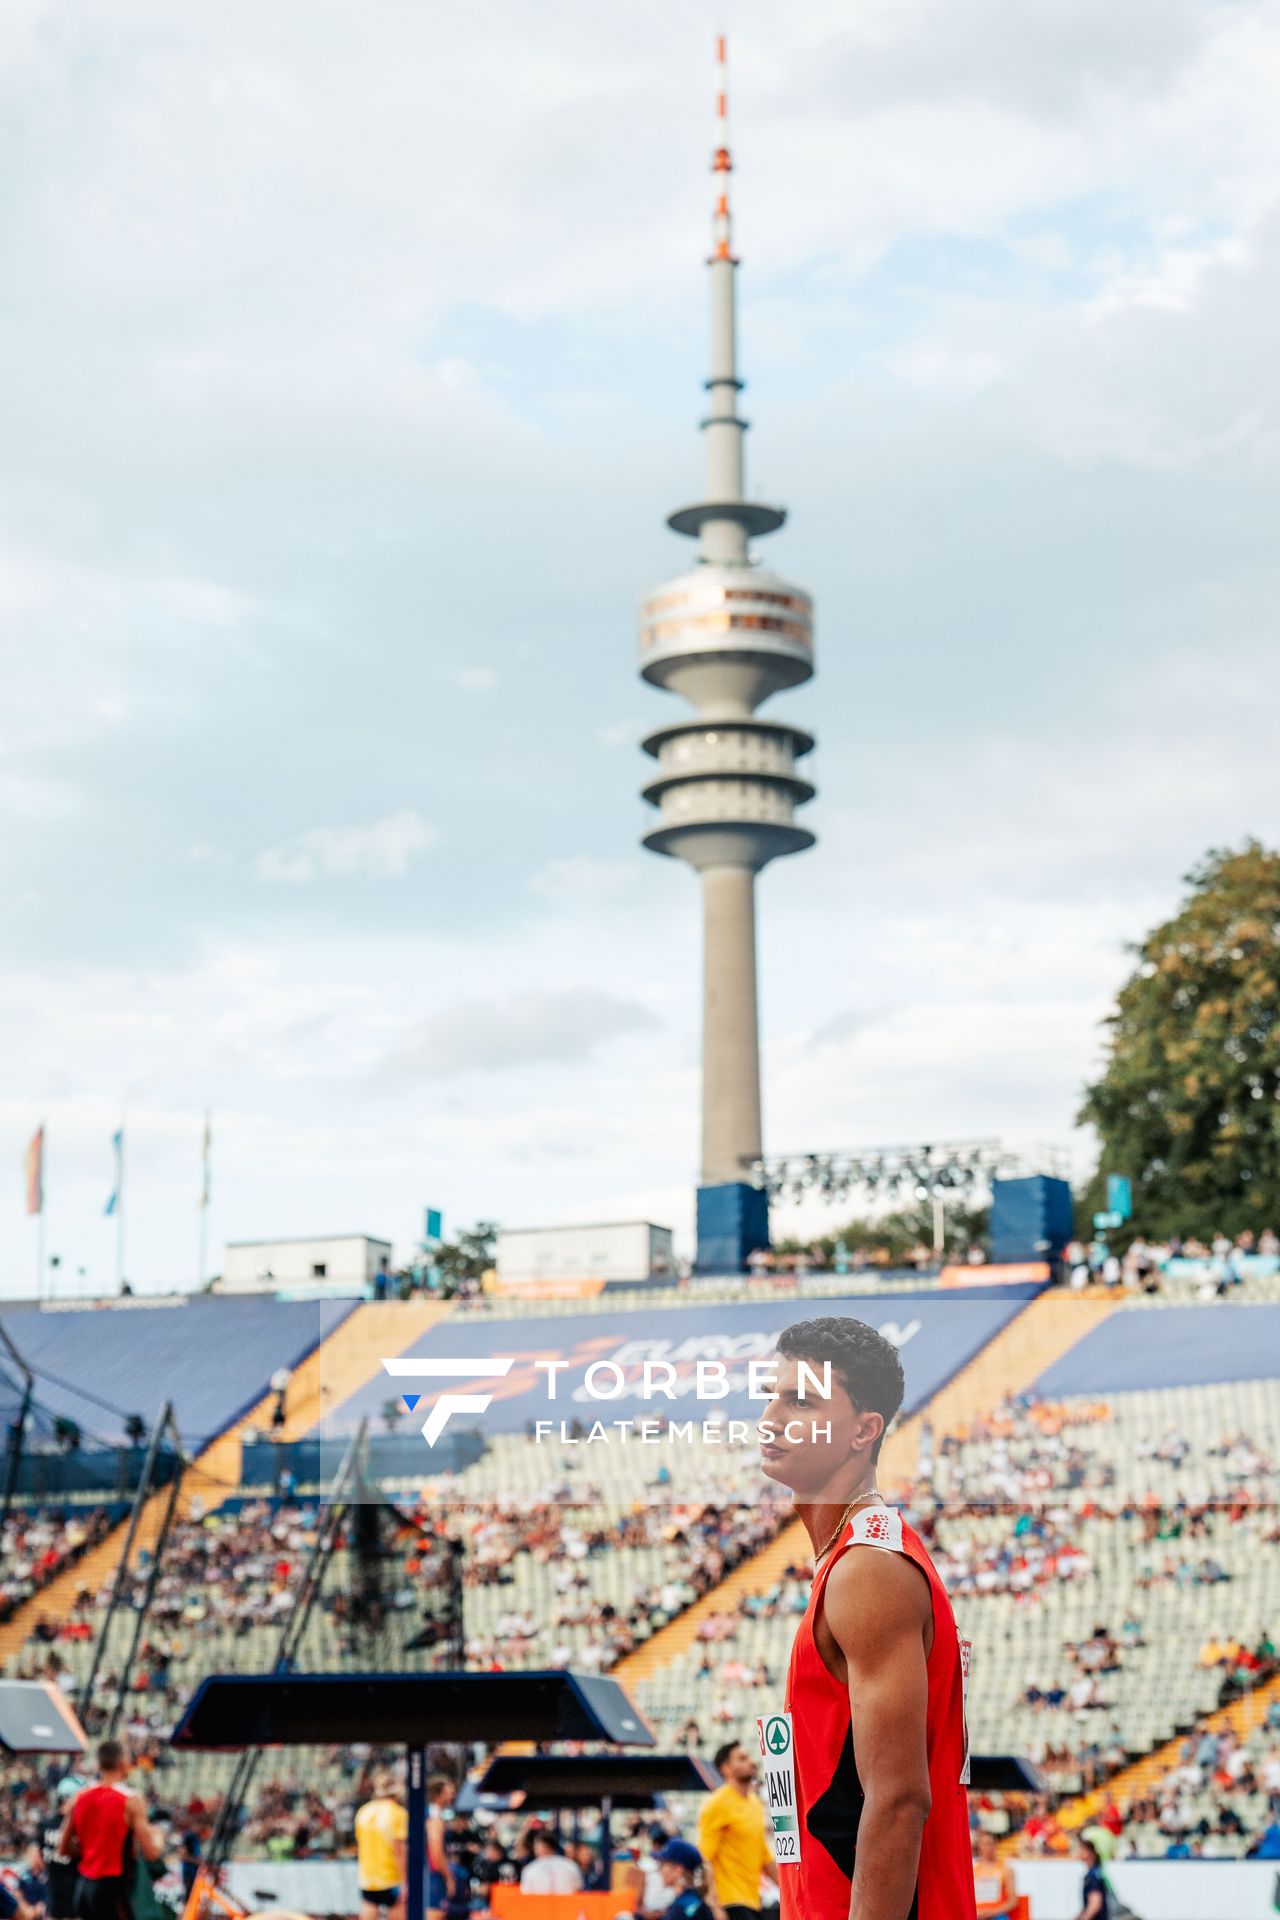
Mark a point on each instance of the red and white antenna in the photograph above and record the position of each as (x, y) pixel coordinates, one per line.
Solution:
(721, 164)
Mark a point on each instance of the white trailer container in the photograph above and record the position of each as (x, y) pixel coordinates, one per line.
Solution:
(537, 1258)
(336, 1263)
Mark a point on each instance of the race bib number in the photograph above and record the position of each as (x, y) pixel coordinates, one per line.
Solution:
(966, 1660)
(778, 1788)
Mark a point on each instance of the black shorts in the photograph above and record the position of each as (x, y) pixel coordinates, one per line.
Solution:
(380, 1896)
(742, 1913)
(60, 1902)
(104, 1899)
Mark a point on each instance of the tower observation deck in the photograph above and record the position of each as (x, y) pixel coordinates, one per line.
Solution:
(725, 636)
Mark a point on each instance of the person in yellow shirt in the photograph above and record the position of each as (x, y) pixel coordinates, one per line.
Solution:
(382, 1834)
(732, 1838)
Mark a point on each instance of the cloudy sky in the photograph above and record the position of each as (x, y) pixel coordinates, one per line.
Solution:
(351, 359)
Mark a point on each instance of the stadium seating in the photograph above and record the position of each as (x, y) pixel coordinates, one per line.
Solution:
(1149, 1344)
(1021, 1638)
(211, 1357)
(1093, 1540)
(37, 1544)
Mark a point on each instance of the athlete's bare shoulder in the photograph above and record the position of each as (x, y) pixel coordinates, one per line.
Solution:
(874, 1602)
(876, 1593)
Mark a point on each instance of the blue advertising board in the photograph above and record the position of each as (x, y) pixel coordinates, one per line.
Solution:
(566, 1367)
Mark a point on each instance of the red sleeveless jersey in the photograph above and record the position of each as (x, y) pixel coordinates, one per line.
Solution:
(828, 1790)
(99, 1821)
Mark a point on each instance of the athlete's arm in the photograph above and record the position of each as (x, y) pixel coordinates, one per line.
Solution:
(69, 1839)
(148, 1840)
(877, 1610)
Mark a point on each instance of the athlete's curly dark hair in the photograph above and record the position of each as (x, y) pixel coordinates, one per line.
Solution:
(864, 1362)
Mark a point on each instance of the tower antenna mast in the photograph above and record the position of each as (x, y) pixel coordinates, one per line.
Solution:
(726, 636)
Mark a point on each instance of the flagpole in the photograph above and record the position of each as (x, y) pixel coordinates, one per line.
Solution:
(120, 1209)
(33, 1177)
(42, 1264)
(203, 1256)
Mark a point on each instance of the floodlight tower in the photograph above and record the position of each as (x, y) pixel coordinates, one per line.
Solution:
(725, 637)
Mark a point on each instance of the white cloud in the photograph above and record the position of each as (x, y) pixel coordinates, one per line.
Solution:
(544, 1026)
(580, 881)
(259, 496)
(475, 679)
(941, 369)
(383, 851)
(33, 797)
(1164, 366)
(838, 1029)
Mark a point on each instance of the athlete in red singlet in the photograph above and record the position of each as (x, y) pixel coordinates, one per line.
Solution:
(105, 1830)
(866, 1766)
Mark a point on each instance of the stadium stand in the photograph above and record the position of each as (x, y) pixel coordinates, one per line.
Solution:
(210, 1356)
(37, 1544)
(1106, 1519)
(1022, 1348)
(1150, 1344)
(1088, 1609)
(347, 1353)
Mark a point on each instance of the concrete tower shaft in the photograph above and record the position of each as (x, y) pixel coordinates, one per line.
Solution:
(725, 637)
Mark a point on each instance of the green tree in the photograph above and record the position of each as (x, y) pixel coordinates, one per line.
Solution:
(896, 1234)
(1187, 1102)
(470, 1255)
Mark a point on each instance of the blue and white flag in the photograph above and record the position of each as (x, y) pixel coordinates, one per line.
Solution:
(117, 1145)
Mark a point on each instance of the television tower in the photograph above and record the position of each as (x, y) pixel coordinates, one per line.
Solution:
(725, 637)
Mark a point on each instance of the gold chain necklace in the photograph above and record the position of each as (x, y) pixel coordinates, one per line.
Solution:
(844, 1520)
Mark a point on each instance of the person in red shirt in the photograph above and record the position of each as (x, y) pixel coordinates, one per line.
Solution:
(1111, 1817)
(866, 1768)
(105, 1831)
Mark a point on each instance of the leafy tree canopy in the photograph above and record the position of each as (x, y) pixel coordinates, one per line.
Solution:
(893, 1236)
(470, 1255)
(1187, 1103)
